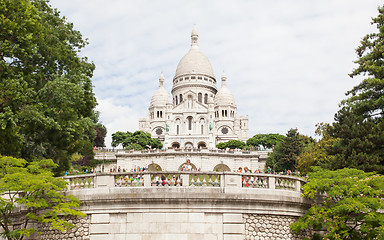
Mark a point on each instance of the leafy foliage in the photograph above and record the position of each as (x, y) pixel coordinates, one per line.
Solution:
(286, 152)
(46, 96)
(231, 144)
(265, 140)
(101, 132)
(349, 206)
(138, 140)
(318, 152)
(359, 125)
(30, 193)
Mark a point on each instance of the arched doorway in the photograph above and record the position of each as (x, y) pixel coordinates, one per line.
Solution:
(201, 145)
(154, 167)
(188, 145)
(175, 145)
(221, 168)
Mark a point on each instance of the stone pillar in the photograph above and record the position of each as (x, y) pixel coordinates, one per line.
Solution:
(233, 226)
(211, 141)
(147, 180)
(232, 180)
(298, 186)
(271, 182)
(166, 141)
(185, 180)
(104, 181)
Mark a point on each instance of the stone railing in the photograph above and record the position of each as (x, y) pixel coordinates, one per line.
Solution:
(194, 150)
(185, 179)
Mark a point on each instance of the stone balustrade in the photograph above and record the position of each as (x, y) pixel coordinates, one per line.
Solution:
(185, 179)
(202, 205)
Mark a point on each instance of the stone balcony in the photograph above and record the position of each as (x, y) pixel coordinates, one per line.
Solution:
(188, 205)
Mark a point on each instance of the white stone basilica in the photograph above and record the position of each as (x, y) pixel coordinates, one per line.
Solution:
(197, 116)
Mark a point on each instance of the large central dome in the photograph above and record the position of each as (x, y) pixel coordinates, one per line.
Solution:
(194, 62)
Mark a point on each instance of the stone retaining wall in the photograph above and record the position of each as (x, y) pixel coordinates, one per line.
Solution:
(80, 231)
(268, 227)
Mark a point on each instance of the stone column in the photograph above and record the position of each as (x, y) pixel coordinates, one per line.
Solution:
(104, 181)
(271, 182)
(211, 140)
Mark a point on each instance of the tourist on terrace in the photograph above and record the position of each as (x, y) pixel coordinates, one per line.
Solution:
(188, 166)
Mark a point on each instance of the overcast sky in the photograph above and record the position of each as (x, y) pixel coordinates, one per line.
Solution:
(287, 61)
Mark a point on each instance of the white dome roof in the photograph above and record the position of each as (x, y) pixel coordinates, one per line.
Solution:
(224, 95)
(161, 96)
(194, 62)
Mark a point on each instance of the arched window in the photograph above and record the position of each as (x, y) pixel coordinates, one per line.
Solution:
(189, 122)
(222, 113)
(206, 98)
(176, 100)
(200, 97)
(181, 98)
(177, 130)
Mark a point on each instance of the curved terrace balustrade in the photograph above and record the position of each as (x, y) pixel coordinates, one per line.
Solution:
(174, 179)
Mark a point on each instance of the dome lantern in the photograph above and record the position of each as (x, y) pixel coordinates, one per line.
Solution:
(194, 37)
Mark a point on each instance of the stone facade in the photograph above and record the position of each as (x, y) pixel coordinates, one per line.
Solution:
(220, 207)
(226, 208)
(203, 159)
(198, 115)
(80, 231)
(268, 227)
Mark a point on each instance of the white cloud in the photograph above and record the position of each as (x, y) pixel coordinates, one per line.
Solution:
(287, 61)
(117, 117)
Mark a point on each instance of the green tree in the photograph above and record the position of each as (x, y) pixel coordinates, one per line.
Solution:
(46, 95)
(359, 124)
(265, 140)
(348, 206)
(29, 193)
(286, 152)
(317, 154)
(137, 140)
(231, 144)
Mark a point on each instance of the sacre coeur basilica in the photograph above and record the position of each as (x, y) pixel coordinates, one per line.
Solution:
(198, 115)
(189, 190)
(193, 121)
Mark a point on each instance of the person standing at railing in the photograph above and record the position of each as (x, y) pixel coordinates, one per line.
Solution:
(188, 166)
(246, 170)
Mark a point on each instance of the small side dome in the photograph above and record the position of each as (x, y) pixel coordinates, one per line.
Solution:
(161, 96)
(224, 95)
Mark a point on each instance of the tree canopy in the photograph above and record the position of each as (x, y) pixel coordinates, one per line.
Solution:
(359, 124)
(286, 152)
(317, 153)
(46, 95)
(137, 140)
(231, 144)
(265, 140)
(29, 193)
(349, 204)
(101, 132)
